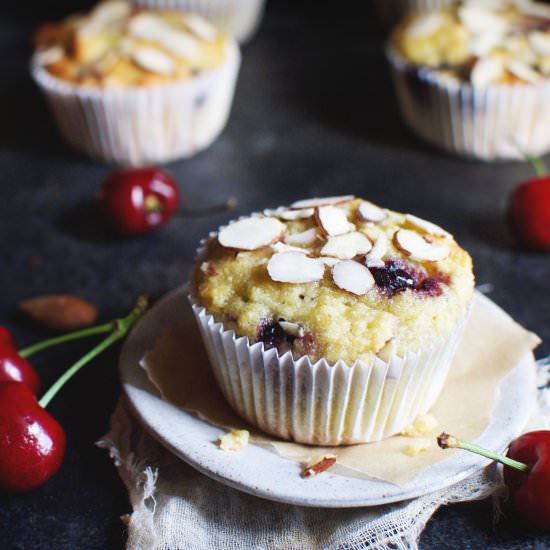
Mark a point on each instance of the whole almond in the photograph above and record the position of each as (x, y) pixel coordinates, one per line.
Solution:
(62, 312)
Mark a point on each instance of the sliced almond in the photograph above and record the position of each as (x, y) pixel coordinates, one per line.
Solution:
(426, 226)
(378, 251)
(297, 214)
(109, 13)
(305, 237)
(331, 262)
(252, 233)
(322, 201)
(283, 247)
(332, 220)
(480, 19)
(540, 42)
(524, 72)
(353, 277)
(418, 247)
(347, 246)
(293, 329)
(426, 24)
(147, 26)
(153, 60)
(371, 213)
(295, 267)
(49, 55)
(200, 27)
(319, 465)
(486, 71)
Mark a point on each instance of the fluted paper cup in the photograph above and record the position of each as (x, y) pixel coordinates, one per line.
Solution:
(237, 18)
(495, 122)
(320, 403)
(140, 126)
(392, 11)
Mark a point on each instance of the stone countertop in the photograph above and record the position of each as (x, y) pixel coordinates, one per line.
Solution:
(314, 114)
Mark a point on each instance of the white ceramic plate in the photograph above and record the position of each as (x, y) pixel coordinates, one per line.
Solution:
(263, 473)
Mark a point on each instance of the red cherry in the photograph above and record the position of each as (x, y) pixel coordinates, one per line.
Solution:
(32, 443)
(6, 339)
(529, 213)
(139, 200)
(16, 369)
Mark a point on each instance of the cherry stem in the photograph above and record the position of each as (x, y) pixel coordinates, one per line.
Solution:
(446, 441)
(120, 328)
(98, 329)
(538, 165)
(152, 204)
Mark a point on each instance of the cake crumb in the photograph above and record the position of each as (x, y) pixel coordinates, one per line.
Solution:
(417, 446)
(236, 440)
(423, 424)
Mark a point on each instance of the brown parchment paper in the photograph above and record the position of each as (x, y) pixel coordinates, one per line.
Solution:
(490, 348)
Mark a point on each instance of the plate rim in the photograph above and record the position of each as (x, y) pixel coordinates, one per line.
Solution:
(221, 472)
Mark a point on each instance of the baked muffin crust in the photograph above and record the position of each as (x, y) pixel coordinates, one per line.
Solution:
(117, 45)
(316, 288)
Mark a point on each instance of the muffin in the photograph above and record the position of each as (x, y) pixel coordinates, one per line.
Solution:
(332, 321)
(237, 18)
(474, 79)
(393, 11)
(136, 87)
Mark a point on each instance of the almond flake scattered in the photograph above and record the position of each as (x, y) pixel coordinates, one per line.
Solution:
(322, 201)
(347, 246)
(426, 24)
(418, 247)
(291, 215)
(353, 277)
(524, 72)
(378, 251)
(200, 27)
(49, 56)
(283, 247)
(423, 424)
(332, 220)
(150, 27)
(235, 440)
(293, 329)
(369, 212)
(540, 42)
(319, 465)
(109, 13)
(426, 226)
(305, 237)
(486, 71)
(295, 267)
(153, 60)
(252, 233)
(418, 446)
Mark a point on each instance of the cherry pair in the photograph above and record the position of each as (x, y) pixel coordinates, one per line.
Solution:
(32, 443)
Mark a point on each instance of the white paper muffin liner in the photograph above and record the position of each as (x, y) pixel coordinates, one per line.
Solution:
(140, 126)
(488, 123)
(392, 11)
(321, 403)
(237, 18)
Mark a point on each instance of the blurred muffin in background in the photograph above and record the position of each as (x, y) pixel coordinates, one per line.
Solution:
(134, 86)
(237, 18)
(474, 79)
(393, 11)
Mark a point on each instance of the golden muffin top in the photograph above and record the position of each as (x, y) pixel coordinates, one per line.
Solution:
(481, 41)
(337, 277)
(118, 45)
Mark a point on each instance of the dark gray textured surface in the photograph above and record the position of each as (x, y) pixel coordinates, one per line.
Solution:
(314, 114)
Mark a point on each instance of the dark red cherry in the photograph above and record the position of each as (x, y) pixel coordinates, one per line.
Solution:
(32, 443)
(14, 368)
(137, 201)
